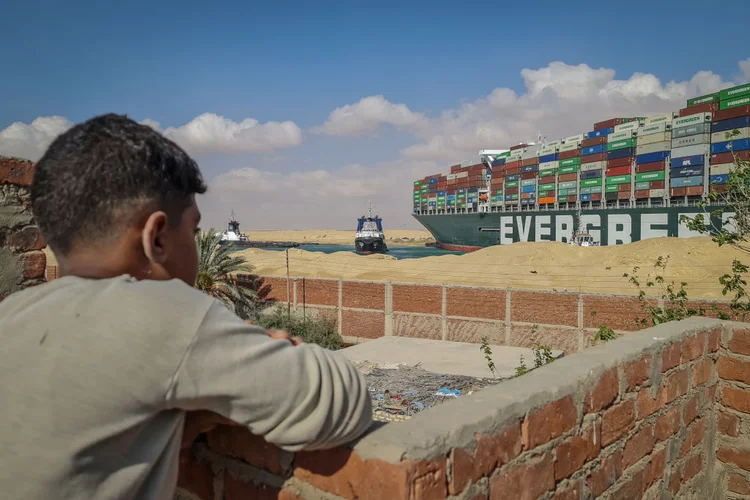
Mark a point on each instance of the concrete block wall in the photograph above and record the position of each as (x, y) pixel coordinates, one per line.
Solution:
(659, 413)
(22, 262)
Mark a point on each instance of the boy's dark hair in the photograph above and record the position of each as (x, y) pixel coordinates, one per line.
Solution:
(95, 179)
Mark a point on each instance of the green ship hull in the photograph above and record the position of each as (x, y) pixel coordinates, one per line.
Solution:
(472, 231)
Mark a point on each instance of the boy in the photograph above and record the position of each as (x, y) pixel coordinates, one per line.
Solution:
(100, 365)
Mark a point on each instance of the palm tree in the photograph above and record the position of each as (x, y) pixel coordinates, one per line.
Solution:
(216, 262)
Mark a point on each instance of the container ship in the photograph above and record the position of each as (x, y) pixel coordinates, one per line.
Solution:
(630, 178)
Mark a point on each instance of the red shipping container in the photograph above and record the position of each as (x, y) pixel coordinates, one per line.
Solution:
(719, 188)
(695, 191)
(511, 190)
(677, 192)
(530, 161)
(611, 172)
(641, 194)
(593, 158)
(596, 196)
(455, 169)
(513, 171)
(529, 175)
(620, 162)
(729, 157)
(731, 113)
(547, 180)
(452, 182)
(568, 177)
(623, 187)
(594, 141)
(572, 198)
(442, 184)
(649, 167)
(709, 107)
(656, 185)
(569, 154)
(623, 195)
(518, 146)
(513, 164)
(608, 123)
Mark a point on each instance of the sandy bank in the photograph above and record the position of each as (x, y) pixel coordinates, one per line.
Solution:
(395, 237)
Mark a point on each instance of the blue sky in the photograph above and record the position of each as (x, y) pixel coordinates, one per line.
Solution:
(170, 62)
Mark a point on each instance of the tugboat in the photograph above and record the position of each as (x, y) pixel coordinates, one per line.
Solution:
(369, 238)
(580, 237)
(233, 236)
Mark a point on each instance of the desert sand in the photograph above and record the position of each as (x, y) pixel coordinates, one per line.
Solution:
(400, 237)
(540, 266)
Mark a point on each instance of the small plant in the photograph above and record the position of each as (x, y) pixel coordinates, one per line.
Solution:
(521, 369)
(604, 334)
(317, 330)
(542, 355)
(487, 350)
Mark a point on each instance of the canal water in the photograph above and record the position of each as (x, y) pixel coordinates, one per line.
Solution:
(406, 252)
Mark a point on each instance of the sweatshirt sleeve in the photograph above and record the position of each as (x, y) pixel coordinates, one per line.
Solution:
(296, 397)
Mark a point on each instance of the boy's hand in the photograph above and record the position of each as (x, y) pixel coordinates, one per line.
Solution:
(280, 335)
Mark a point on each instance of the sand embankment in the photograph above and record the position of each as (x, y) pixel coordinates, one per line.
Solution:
(393, 237)
(542, 266)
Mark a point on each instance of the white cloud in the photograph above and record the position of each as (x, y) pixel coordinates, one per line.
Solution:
(367, 115)
(31, 140)
(745, 68)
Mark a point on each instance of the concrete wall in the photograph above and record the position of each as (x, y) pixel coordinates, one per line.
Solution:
(22, 263)
(660, 413)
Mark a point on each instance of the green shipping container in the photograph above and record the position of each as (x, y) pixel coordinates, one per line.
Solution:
(595, 189)
(569, 170)
(733, 92)
(626, 143)
(499, 191)
(513, 196)
(547, 172)
(562, 192)
(619, 179)
(640, 186)
(650, 176)
(584, 190)
(734, 103)
(417, 183)
(511, 184)
(502, 155)
(568, 185)
(704, 99)
(546, 187)
(570, 161)
(611, 188)
(591, 182)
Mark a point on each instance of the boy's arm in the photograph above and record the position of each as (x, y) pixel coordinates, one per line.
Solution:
(297, 397)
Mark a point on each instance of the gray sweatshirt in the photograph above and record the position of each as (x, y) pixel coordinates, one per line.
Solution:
(96, 377)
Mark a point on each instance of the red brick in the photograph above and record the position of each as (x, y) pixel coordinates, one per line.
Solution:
(238, 442)
(28, 238)
(316, 292)
(737, 456)
(619, 313)
(572, 491)
(472, 303)
(34, 264)
(739, 484)
(670, 357)
(693, 347)
(692, 467)
(736, 398)
(675, 385)
(728, 424)
(714, 340)
(576, 451)
(740, 342)
(526, 481)
(632, 487)
(368, 325)
(617, 421)
(418, 299)
(702, 372)
(16, 171)
(237, 489)
(607, 474)
(675, 481)
(734, 369)
(195, 476)
(637, 372)
(648, 406)
(638, 446)
(551, 308)
(656, 466)
(604, 393)
(691, 410)
(668, 424)
(549, 422)
(693, 436)
(361, 295)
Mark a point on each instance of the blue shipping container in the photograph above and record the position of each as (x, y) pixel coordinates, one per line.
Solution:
(731, 124)
(719, 179)
(546, 158)
(528, 189)
(529, 168)
(585, 197)
(513, 177)
(620, 153)
(592, 150)
(433, 181)
(470, 200)
(687, 171)
(679, 182)
(727, 146)
(451, 197)
(432, 203)
(498, 163)
(652, 157)
(591, 174)
(688, 161)
(600, 133)
(441, 193)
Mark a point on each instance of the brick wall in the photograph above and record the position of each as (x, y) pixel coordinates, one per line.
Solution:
(661, 413)
(22, 262)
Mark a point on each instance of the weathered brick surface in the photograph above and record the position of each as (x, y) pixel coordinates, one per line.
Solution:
(735, 455)
(418, 299)
(576, 451)
(693, 347)
(638, 446)
(731, 368)
(739, 484)
(363, 295)
(606, 474)
(318, 292)
(604, 393)
(473, 331)
(702, 371)
(525, 481)
(544, 307)
(238, 442)
(549, 422)
(740, 342)
(668, 424)
(476, 303)
(423, 327)
(637, 372)
(728, 423)
(16, 171)
(619, 313)
(617, 421)
(34, 264)
(736, 398)
(277, 289)
(368, 325)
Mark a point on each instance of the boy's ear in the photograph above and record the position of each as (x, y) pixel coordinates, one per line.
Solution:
(154, 237)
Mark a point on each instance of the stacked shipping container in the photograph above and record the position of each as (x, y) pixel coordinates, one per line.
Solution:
(618, 166)
(691, 136)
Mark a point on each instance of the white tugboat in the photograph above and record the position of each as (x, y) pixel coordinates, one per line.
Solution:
(369, 237)
(233, 236)
(582, 238)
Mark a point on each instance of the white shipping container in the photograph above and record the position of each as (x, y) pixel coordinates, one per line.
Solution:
(574, 138)
(656, 193)
(554, 144)
(596, 165)
(452, 176)
(722, 168)
(653, 129)
(549, 164)
(654, 138)
(569, 147)
(656, 119)
(698, 149)
(626, 126)
(462, 174)
(528, 154)
(681, 142)
(722, 136)
(619, 136)
(695, 119)
(653, 148)
(547, 150)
